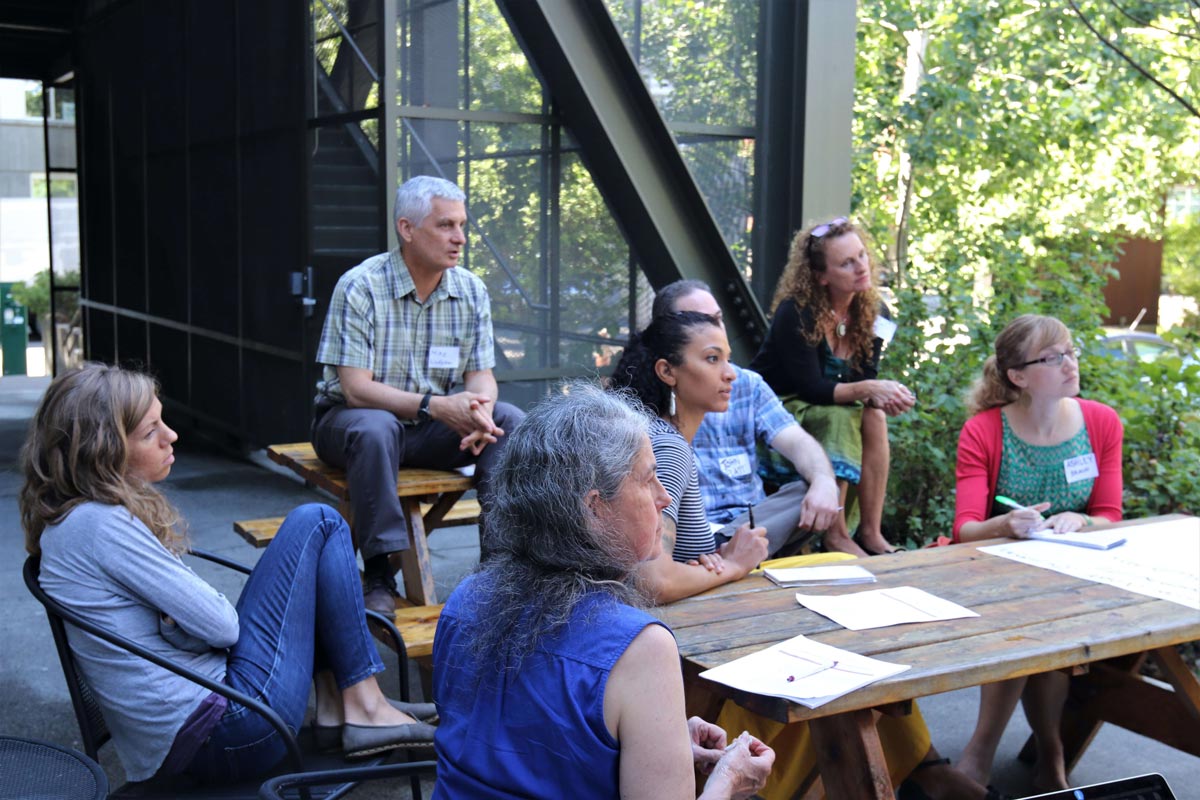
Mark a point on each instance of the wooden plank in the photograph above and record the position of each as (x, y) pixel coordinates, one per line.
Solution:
(1138, 704)
(417, 625)
(774, 617)
(260, 532)
(959, 662)
(415, 566)
(850, 757)
(302, 459)
(1181, 678)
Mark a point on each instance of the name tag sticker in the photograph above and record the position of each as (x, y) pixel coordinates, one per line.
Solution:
(737, 466)
(885, 329)
(1080, 468)
(443, 357)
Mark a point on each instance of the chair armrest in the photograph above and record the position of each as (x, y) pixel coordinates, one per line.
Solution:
(273, 789)
(216, 559)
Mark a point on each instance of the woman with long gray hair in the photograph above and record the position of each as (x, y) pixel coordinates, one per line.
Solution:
(550, 679)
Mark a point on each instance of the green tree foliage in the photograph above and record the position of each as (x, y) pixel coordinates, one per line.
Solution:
(998, 180)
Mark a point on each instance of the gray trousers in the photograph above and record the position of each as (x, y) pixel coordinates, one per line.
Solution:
(372, 445)
(779, 514)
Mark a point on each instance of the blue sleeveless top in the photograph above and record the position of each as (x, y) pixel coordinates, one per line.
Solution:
(538, 732)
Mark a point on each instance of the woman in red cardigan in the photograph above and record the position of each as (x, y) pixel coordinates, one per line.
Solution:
(1034, 440)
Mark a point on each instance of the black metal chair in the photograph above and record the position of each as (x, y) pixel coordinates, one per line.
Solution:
(35, 768)
(302, 756)
(275, 788)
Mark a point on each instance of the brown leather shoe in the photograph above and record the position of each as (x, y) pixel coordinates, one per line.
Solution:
(379, 595)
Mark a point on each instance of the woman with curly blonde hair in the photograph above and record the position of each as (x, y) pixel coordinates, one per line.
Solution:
(821, 356)
(109, 545)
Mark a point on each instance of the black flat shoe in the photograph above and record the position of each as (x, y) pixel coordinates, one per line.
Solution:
(359, 741)
(328, 738)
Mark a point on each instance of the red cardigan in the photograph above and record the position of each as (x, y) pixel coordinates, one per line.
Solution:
(980, 448)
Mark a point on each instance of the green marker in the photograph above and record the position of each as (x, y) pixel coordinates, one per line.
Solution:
(1008, 501)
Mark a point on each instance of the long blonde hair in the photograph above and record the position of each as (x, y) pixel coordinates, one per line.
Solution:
(1026, 334)
(77, 452)
(806, 258)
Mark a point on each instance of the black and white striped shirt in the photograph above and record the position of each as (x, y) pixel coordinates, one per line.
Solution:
(676, 468)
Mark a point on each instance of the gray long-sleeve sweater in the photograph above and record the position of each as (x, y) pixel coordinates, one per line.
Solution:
(106, 565)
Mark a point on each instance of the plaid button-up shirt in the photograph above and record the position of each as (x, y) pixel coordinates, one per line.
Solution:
(375, 322)
(725, 446)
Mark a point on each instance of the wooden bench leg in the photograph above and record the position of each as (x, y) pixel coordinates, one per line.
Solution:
(414, 562)
(850, 757)
(442, 506)
(1113, 691)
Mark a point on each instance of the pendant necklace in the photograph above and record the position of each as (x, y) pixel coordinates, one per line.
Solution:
(840, 329)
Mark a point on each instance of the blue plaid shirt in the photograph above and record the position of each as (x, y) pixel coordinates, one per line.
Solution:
(725, 446)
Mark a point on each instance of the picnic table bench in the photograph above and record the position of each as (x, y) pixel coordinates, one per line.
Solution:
(430, 499)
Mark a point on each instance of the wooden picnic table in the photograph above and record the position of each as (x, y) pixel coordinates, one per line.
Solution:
(1031, 620)
(439, 489)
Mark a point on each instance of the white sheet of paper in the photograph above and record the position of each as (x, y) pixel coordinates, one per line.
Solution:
(885, 329)
(1161, 559)
(819, 673)
(879, 608)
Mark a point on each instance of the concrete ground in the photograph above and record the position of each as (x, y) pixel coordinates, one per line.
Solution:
(212, 490)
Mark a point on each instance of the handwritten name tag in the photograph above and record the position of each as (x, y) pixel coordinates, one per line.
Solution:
(737, 466)
(885, 329)
(443, 357)
(1080, 468)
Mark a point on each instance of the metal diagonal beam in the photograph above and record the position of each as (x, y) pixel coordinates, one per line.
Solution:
(577, 51)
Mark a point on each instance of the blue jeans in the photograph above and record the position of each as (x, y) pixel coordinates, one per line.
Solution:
(301, 608)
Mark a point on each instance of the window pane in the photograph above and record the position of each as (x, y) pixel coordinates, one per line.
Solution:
(500, 79)
(698, 59)
(346, 46)
(593, 274)
(724, 171)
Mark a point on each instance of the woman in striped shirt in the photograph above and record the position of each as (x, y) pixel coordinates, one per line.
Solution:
(679, 368)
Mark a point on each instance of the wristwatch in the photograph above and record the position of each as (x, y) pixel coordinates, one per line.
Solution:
(423, 414)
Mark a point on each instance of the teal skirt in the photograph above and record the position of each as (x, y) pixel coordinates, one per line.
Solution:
(836, 428)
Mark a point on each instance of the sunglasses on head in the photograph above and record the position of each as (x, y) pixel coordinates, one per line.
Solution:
(823, 230)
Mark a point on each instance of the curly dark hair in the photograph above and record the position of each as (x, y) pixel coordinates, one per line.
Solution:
(665, 337)
(806, 258)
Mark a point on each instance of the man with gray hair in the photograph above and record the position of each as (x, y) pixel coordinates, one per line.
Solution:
(404, 330)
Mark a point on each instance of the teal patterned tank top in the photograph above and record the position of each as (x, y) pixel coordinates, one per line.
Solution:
(1032, 474)
(836, 369)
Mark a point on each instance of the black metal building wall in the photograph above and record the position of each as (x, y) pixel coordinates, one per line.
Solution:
(192, 130)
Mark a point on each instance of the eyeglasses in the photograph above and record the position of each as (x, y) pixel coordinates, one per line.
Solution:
(823, 230)
(1055, 360)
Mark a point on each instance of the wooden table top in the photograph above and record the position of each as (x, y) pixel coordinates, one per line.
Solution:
(411, 481)
(1031, 620)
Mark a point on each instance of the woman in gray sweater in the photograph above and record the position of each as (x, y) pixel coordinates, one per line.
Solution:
(110, 546)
